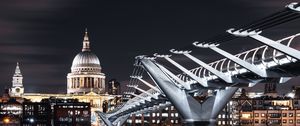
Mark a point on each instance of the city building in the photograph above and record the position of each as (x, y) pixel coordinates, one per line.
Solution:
(114, 87)
(36, 114)
(165, 117)
(70, 112)
(10, 113)
(56, 112)
(262, 110)
(225, 117)
(265, 110)
(5, 96)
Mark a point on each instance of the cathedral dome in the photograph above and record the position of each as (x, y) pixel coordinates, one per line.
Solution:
(86, 61)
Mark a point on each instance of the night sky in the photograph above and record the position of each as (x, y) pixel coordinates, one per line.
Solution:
(45, 35)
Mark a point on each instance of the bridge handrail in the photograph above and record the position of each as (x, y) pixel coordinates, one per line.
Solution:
(203, 73)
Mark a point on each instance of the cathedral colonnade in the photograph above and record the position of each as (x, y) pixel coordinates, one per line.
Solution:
(86, 82)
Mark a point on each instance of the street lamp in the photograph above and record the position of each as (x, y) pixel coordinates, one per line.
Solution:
(6, 120)
(31, 120)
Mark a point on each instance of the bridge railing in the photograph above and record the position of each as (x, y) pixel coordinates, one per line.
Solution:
(263, 57)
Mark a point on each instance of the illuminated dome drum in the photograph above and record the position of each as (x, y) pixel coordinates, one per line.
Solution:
(86, 75)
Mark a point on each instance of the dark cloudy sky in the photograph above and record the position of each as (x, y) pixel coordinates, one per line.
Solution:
(45, 35)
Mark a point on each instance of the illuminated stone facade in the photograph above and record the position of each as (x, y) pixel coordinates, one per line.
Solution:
(86, 75)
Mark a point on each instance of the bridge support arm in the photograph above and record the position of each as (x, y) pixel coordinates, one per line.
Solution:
(151, 95)
(138, 96)
(190, 74)
(278, 46)
(248, 66)
(173, 76)
(149, 85)
(223, 76)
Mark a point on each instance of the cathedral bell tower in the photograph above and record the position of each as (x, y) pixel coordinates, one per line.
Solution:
(17, 89)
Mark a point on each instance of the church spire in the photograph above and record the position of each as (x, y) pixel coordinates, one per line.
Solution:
(17, 70)
(17, 89)
(86, 42)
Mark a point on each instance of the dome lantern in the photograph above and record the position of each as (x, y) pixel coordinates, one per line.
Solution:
(86, 42)
(86, 58)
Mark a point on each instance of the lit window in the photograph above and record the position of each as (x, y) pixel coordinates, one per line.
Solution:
(284, 121)
(246, 115)
(291, 121)
(283, 114)
(138, 121)
(223, 116)
(77, 112)
(164, 115)
(153, 114)
(70, 112)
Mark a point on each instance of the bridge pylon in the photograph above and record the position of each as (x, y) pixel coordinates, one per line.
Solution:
(192, 111)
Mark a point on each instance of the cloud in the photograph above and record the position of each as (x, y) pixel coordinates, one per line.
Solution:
(29, 50)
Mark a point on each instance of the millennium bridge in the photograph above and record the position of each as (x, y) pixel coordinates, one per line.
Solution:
(276, 61)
